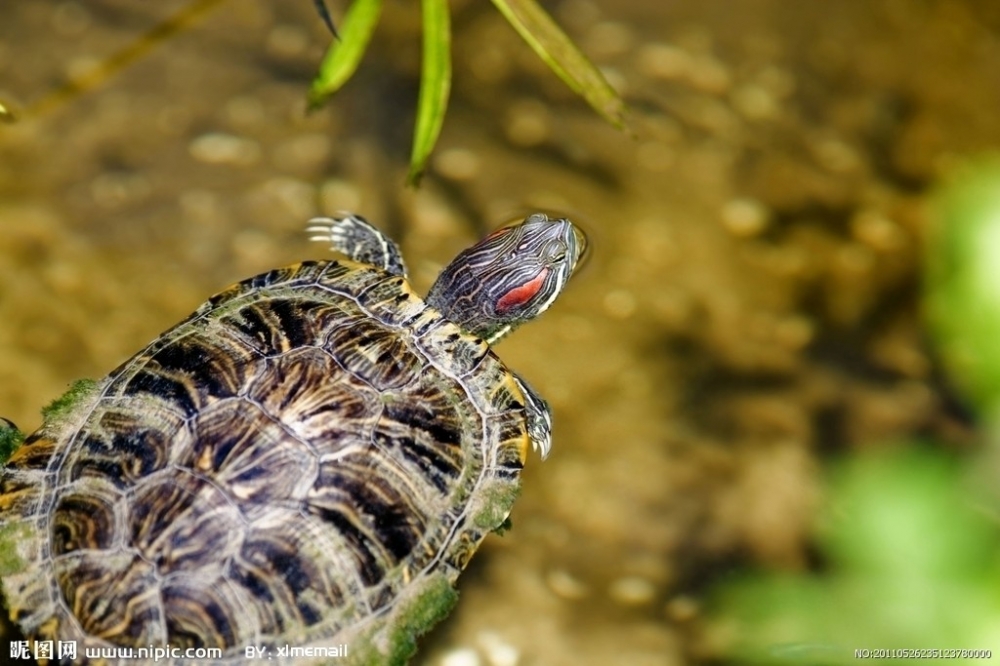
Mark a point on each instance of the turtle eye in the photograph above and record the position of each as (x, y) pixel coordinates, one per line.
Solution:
(555, 251)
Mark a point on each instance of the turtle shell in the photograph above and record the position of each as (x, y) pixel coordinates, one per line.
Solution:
(310, 459)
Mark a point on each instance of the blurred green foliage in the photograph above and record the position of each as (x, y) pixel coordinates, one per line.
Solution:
(534, 25)
(911, 563)
(962, 282)
(910, 548)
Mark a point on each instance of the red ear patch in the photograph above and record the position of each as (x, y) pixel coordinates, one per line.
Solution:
(521, 294)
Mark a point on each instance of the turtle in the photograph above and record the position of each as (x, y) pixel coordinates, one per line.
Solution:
(297, 472)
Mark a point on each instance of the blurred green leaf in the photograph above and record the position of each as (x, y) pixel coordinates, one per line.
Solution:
(886, 509)
(342, 58)
(435, 84)
(910, 563)
(962, 285)
(560, 53)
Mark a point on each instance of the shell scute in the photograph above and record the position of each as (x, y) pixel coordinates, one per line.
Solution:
(273, 326)
(85, 520)
(122, 446)
(390, 300)
(464, 352)
(92, 585)
(183, 523)
(20, 493)
(250, 457)
(200, 366)
(199, 613)
(375, 354)
(173, 390)
(303, 273)
(307, 390)
(287, 584)
(34, 455)
(430, 449)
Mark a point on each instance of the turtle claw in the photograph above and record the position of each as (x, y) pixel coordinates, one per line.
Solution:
(539, 419)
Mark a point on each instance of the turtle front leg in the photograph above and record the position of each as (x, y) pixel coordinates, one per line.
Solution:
(539, 418)
(352, 235)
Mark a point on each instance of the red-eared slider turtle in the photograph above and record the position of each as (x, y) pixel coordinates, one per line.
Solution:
(301, 467)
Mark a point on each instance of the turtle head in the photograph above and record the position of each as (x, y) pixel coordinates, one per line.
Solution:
(509, 277)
